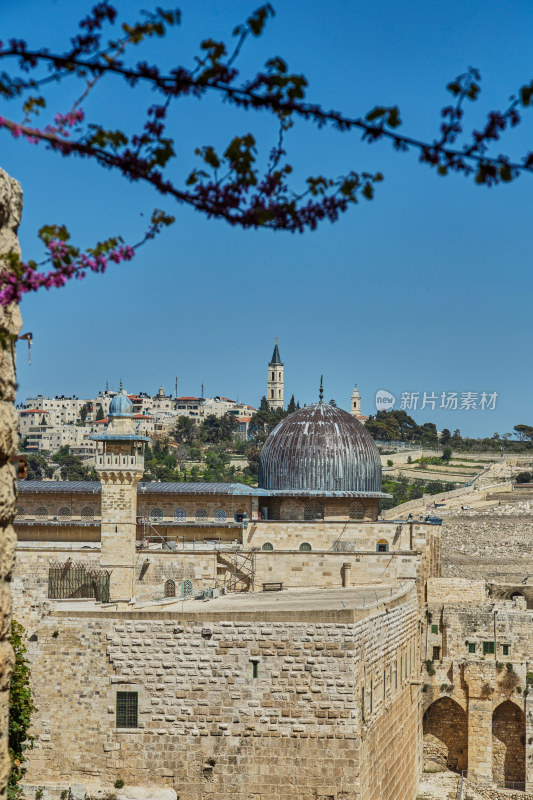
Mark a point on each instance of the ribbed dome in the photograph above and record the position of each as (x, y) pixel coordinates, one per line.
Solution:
(121, 406)
(320, 448)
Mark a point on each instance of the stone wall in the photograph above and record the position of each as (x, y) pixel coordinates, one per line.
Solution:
(213, 725)
(10, 324)
(456, 590)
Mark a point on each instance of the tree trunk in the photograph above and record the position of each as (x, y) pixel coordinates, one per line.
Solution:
(10, 322)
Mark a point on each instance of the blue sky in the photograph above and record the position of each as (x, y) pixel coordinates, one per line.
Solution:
(426, 288)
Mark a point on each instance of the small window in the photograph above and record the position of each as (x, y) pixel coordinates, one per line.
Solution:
(371, 698)
(357, 511)
(488, 648)
(156, 515)
(170, 588)
(434, 629)
(471, 647)
(64, 514)
(363, 703)
(436, 654)
(220, 515)
(505, 649)
(127, 709)
(267, 546)
(41, 513)
(180, 515)
(314, 511)
(305, 546)
(201, 515)
(87, 514)
(255, 669)
(382, 546)
(19, 512)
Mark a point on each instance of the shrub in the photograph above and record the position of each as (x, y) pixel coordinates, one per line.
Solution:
(389, 462)
(119, 783)
(430, 669)
(20, 710)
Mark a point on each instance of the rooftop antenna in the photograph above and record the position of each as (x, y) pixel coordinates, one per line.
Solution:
(202, 391)
(107, 385)
(176, 392)
(321, 392)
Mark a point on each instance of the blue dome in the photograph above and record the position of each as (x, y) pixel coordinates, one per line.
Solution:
(121, 406)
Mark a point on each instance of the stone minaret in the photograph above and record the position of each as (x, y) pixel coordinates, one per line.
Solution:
(120, 466)
(275, 380)
(355, 405)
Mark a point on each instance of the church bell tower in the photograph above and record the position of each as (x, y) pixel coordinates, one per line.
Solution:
(275, 380)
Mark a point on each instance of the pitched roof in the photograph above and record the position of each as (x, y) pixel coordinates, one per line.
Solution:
(275, 356)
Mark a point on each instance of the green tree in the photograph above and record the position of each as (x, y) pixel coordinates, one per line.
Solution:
(71, 467)
(99, 413)
(20, 710)
(445, 437)
(291, 408)
(523, 477)
(524, 432)
(83, 414)
(186, 430)
(214, 430)
(38, 467)
(446, 454)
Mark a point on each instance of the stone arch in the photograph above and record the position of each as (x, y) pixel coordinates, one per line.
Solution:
(41, 513)
(508, 744)
(19, 512)
(201, 515)
(180, 515)
(64, 514)
(305, 546)
(445, 728)
(220, 515)
(170, 588)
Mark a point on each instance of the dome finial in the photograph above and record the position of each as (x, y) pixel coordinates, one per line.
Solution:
(120, 387)
(321, 392)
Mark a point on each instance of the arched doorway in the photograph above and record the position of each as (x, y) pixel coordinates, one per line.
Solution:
(508, 745)
(445, 730)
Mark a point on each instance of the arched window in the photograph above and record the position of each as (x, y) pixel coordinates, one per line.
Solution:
(156, 515)
(19, 512)
(41, 513)
(382, 546)
(201, 515)
(357, 511)
(87, 514)
(239, 515)
(220, 515)
(314, 511)
(180, 515)
(170, 588)
(305, 546)
(64, 514)
(267, 546)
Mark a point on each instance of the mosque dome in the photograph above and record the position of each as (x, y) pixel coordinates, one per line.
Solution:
(121, 406)
(320, 448)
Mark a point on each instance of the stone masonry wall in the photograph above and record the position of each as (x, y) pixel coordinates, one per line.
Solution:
(207, 726)
(10, 324)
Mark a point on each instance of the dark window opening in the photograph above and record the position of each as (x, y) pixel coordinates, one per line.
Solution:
(488, 648)
(471, 647)
(436, 654)
(127, 709)
(255, 669)
(505, 649)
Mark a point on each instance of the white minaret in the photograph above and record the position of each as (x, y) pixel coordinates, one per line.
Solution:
(355, 405)
(275, 380)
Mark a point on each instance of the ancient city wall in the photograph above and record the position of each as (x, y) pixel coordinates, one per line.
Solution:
(207, 726)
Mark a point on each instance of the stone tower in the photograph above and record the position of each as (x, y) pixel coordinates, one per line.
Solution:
(120, 465)
(355, 404)
(275, 380)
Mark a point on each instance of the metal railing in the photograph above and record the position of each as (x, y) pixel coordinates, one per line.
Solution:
(73, 581)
